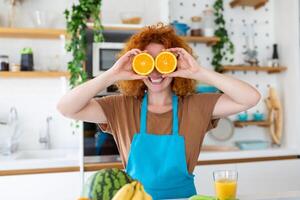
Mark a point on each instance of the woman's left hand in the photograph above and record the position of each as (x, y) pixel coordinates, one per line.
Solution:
(187, 66)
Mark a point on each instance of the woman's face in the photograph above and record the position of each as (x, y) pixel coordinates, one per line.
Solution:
(155, 82)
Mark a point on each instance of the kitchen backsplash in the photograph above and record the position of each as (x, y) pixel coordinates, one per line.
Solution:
(239, 21)
(35, 100)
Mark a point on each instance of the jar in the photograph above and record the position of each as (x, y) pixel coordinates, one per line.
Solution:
(196, 26)
(208, 23)
(4, 63)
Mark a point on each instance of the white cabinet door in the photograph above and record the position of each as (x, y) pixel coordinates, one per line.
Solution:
(204, 177)
(56, 186)
(269, 177)
(254, 178)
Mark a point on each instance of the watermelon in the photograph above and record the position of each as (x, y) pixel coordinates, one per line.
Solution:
(104, 184)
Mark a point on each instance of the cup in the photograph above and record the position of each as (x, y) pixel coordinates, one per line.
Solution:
(225, 184)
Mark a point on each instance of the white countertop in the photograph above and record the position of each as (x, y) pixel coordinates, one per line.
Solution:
(274, 152)
(38, 159)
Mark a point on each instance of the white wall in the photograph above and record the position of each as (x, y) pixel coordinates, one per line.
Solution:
(287, 34)
(35, 99)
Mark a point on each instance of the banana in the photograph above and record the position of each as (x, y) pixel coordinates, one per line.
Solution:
(146, 195)
(125, 193)
(138, 193)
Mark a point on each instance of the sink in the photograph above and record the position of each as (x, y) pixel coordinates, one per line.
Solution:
(45, 154)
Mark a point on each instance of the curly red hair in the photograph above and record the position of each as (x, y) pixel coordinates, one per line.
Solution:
(161, 34)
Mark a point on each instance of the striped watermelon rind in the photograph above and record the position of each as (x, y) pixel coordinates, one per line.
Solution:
(105, 183)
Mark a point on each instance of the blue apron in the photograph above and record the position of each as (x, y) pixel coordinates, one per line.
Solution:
(158, 161)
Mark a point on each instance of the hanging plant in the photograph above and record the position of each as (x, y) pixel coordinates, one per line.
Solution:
(77, 18)
(224, 49)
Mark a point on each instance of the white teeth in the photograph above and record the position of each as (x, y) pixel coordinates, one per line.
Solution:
(158, 80)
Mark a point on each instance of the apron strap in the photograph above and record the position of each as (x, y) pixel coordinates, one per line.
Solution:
(144, 109)
(175, 114)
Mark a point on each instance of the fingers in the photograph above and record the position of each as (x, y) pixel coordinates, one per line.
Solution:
(137, 77)
(173, 74)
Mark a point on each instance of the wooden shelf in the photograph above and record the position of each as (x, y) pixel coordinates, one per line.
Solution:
(241, 124)
(34, 33)
(33, 74)
(31, 33)
(253, 3)
(252, 68)
(207, 40)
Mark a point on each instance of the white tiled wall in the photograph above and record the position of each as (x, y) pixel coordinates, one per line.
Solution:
(35, 99)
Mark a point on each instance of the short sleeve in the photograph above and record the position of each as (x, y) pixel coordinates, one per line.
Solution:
(109, 107)
(205, 103)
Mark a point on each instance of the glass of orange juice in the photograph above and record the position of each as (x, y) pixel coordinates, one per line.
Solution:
(225, 184)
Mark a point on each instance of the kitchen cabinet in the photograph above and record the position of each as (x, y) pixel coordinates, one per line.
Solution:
(56, 186)
(254, 178)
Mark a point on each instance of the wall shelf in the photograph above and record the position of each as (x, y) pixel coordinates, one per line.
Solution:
(201, 39)
(33, 33)
(252, 68)
(253, 3)
(241, 124)
(33, 74)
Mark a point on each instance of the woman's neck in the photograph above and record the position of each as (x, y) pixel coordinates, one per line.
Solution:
(160, 98)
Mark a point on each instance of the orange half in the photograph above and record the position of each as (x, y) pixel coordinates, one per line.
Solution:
(143, 64)
(165, 62)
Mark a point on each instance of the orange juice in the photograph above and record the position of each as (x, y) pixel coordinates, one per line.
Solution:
(225, 189)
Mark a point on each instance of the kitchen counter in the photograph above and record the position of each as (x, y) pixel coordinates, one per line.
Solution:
(53, 161)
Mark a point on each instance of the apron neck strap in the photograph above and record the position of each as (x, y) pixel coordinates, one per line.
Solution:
(144, 110)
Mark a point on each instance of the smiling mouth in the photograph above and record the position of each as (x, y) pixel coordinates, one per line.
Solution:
(156, 80)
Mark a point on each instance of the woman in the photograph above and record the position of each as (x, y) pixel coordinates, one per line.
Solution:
(158, 122)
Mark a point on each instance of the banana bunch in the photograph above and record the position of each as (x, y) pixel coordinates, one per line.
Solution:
(132, 191)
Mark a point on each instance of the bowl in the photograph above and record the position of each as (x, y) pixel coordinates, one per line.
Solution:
(131, 17)
(242, 117)
(258, 116)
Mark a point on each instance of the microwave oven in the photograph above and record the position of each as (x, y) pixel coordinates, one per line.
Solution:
(105, 55)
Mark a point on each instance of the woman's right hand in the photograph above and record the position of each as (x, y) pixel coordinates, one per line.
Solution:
(122, 69)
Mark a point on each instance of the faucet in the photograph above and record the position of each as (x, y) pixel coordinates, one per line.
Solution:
(45, 138)
(10, 144)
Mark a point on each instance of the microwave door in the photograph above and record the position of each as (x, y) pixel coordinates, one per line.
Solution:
(104, 56)
(107, 58)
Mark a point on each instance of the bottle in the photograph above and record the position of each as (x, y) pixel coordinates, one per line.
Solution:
(196, 26)
(4, 63)
(275, 57)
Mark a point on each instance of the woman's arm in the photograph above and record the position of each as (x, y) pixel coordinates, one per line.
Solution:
(79, 103)
(238, 95)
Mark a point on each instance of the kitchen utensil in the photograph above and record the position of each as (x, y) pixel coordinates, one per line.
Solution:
(26, 59)
(225, 184)
(4, 63)
(224, 131)
(275, 116)
(180, 28)
(196, 26)
(242, 116)
(43, 19)
(252, 144)
(257, 116)
(208, 23)
(131, 17)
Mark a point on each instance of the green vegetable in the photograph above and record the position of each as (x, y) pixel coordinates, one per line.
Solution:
(104, 184)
